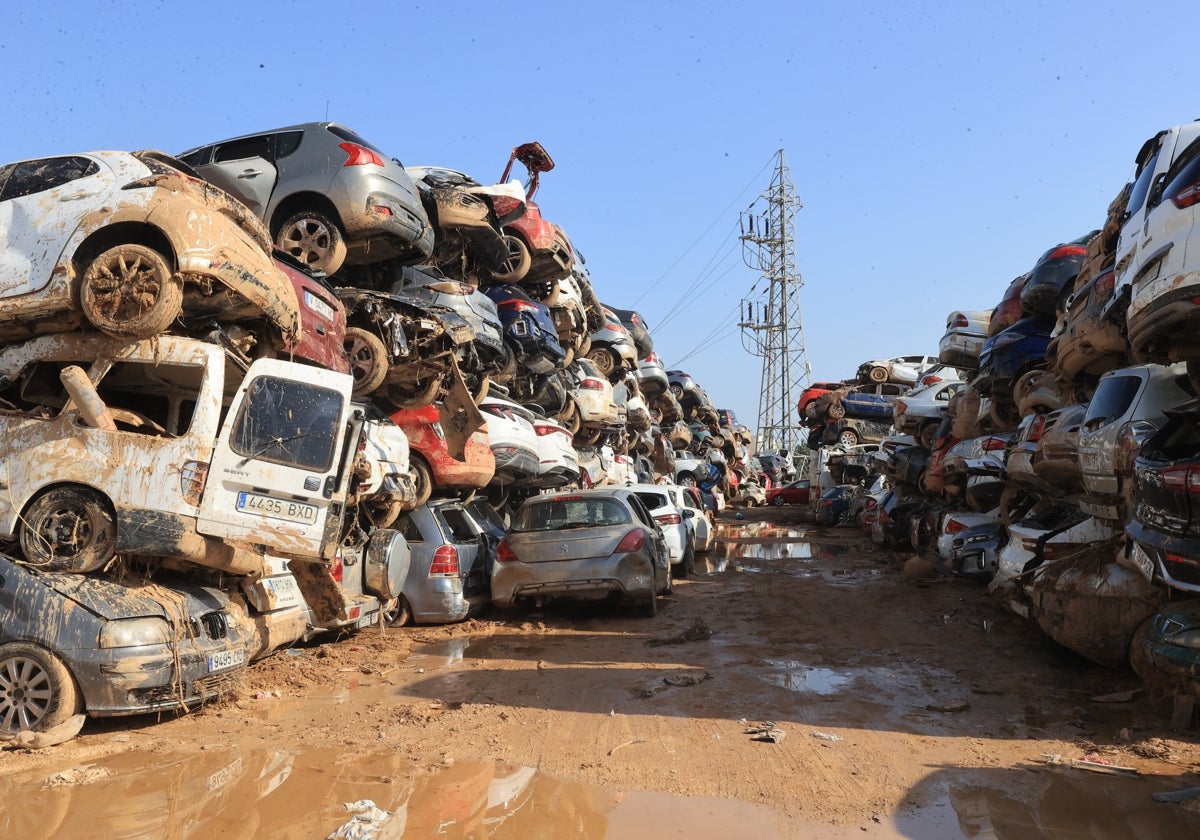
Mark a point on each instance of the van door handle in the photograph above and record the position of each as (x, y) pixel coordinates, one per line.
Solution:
(249, 173)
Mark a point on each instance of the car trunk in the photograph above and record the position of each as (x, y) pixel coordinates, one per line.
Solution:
(464, 534)
(572, 543)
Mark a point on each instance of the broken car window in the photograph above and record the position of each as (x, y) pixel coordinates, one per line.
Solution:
(34, 176)
(288, 422)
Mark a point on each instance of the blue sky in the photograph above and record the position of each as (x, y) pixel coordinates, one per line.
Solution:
(938, 148)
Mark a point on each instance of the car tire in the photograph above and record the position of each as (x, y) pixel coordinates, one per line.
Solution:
(419, 395)
(515, 266)
(381, 514)
(778, 501)
(836, 411)
(604, 361)
(687, 564)
(130, 292)
(749, 503)
(422, 480)
(686, 480)
(928, 435)
(397, 612)
(368, 360)
(878, 374)
(37, 691)
(68, 529)
(313, 239)
(647, 607)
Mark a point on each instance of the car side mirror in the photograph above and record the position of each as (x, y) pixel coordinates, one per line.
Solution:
(688, 513)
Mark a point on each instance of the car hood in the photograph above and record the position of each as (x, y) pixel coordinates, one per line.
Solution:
(136, 598)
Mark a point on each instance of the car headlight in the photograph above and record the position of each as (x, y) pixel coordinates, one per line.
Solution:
(1187, 639)
(135, 632)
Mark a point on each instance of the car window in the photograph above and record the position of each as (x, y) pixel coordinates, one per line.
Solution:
(408, 528)
(5, 171)
(462, 528)
(241, 149)
(1112, 399)
(1184, 174)
(1137, 195)
(34, 176)
(639, 509)
(287, 142)
(288, 422)
(653, 501)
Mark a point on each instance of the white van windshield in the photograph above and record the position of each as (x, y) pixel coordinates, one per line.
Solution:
(288, 422)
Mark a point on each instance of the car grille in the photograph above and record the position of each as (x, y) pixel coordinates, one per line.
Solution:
(205, 688)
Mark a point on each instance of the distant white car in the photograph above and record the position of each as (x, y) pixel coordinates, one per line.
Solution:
(966, 330)
(703, 533)
(558, 462)
(681, 539)
(919, 413)
(905, 369)
(512, 438)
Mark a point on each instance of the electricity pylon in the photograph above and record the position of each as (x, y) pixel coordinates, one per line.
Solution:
(770, 322)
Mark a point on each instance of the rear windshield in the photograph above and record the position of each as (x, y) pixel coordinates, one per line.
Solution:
(1179, 438)
(1111, 400)
(346, 134)
(572, 512)
(459, 523)
(653, 500)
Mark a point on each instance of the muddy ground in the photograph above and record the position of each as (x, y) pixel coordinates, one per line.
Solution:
(898, 705)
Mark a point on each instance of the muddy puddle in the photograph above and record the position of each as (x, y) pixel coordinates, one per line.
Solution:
(297, 793)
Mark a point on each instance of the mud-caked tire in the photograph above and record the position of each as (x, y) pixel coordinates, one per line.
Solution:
(368, 360)
(68, 529)
(422, 479)
(130, 291)
(37, 691)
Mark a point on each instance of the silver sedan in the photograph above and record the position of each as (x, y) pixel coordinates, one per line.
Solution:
(587, 545)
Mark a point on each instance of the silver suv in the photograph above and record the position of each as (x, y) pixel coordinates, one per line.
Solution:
(1125, 410)
(327, 195)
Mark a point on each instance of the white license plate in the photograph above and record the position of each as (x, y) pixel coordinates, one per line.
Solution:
(276, 508)
(226, 659)
(317, 305)
(1142, 560)
(283, 591)
(1089, 462)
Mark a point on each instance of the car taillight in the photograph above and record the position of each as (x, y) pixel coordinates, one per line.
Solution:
(617, 328)
(1066, 251)
(335, 568)
(445, 562)
(668, 519)
(931, 379)
(1181, 479)
(959, 320)
(1036, 426)
(1187, 196)
(1104, 285)
(542, 431)
(504, 553)
(519, 305)
(954, 526)
(590, 383)
(359, 155)
(633, 541)
(1129, 440)
(192, 479)
(993, 444)
(871, 503)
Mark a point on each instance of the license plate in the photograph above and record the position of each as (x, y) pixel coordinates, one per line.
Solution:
(317, 305)
(1142, 560)
(1089, 462)
(226, 659)
(283, 591)
(277, 508)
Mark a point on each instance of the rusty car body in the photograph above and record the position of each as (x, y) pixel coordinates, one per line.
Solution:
(130, 244)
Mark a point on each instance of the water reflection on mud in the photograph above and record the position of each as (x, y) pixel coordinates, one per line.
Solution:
(281, 794)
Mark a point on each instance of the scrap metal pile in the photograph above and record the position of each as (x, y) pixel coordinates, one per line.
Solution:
(1055, 455)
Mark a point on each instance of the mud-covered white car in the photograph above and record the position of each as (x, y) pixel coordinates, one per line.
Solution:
(129, 243)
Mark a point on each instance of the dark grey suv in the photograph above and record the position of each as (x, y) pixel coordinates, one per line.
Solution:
(327, 195)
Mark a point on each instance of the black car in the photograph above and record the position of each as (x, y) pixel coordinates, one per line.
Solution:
(73, 644)
(1053, 276)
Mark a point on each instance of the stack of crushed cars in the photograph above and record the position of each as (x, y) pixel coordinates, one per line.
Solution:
(238, 383)
(1059, 470)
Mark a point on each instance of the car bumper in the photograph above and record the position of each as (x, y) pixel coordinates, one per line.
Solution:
(514, 462)
(629, 575)
(1166, 328)
(439, 601)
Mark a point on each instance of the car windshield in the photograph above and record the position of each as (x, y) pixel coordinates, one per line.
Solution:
(571, 512)
(288, 422)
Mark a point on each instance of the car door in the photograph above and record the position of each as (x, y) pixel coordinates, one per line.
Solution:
(41, 204)
(245, 169)
(277, 473)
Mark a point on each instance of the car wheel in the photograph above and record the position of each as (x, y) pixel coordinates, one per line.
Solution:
(68, 529)
(648, 606)
(36, 689)
(749, 503)
(928, 435)
(677, 390)
(778, 501)
(314, 240)
(836, 411)
(878, 374)
(418, 396)
(397, 612)
(686, 480)
(129, 292)
(848, 437)
(515, 265)
(368, 359)
(686, 566)
(422, 480)
(604, 361)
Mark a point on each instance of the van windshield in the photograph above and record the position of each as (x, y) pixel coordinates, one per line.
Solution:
(288, 422)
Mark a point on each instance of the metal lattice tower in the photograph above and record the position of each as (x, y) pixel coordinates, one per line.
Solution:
(770, 321)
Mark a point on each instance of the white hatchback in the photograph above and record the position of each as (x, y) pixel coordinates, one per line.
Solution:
(681, 541)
